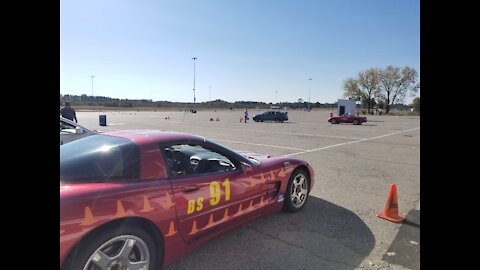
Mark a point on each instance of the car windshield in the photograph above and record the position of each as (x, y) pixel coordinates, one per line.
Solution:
(99, 158)
(233, 154)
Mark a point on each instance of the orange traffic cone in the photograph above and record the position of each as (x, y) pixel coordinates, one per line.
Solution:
(171, 229)
(390, 212)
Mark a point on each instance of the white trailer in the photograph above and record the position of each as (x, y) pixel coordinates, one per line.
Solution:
(347, 106)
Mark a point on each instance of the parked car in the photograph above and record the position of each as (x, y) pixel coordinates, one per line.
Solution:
(276, 116)
(347, 118)
(71, 131)
(140, 199)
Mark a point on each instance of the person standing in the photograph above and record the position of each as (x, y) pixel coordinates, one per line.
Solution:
(246, 115)
(68, 112)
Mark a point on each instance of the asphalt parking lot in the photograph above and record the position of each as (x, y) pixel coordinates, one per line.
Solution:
(338, 228)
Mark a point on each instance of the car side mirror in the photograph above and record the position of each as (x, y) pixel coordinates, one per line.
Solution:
(78, 130)
(246, 167)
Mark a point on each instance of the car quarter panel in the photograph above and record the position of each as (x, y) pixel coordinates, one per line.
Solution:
(152, 163)
(85, 207)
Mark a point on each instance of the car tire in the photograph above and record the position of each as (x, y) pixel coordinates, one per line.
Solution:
(112, 242)
(355, 122)
(333, 122)
(297, 191)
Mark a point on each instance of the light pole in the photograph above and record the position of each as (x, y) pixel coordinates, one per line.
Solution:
(92, 84)
(309, 86)
(194, 99)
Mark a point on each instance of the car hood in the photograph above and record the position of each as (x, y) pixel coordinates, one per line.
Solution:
(254, 155)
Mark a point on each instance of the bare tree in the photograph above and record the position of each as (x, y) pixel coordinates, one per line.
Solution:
(395, 83)
(365, 87)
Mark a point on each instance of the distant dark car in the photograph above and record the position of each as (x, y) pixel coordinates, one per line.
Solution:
(271, 116)
(348, 118)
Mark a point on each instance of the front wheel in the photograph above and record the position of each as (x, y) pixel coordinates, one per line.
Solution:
(297, 191)
(124, 247)
(333, 122)
(355, 122)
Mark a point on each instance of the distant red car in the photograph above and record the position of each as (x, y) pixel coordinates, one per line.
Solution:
(348, 118)
(142, 199)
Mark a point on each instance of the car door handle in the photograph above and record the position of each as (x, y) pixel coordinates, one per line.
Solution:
(190, 189)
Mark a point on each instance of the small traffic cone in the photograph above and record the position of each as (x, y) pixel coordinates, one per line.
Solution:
(239, 212)
(171, 229)
(194, 228)
(210, 221)
(241, 119)
(250, 207)
(146, 205)
(390, 212)
(89, 219)
(225, 216)
(120, 210)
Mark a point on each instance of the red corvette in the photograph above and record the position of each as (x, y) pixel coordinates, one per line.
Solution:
(142, 199)
(347, 118)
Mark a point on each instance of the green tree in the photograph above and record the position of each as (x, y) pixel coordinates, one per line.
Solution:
(395, 83)
(365, 86)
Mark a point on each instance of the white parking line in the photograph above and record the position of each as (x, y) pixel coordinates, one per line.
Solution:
(276, 132)
(340, 144)
(266, 145)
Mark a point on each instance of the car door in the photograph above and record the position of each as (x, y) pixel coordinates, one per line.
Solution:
(341, 119)
(351, 118)
(211, 190)
(270, 116)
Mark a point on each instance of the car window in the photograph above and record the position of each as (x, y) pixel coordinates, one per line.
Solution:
(184, 160)
(99, 158)
(64, 125)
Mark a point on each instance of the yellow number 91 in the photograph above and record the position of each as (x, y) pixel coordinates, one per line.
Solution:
(216, 193)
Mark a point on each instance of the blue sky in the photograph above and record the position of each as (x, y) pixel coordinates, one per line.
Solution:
(262, 50)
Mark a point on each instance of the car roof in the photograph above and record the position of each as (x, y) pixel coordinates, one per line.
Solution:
(144, 136)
